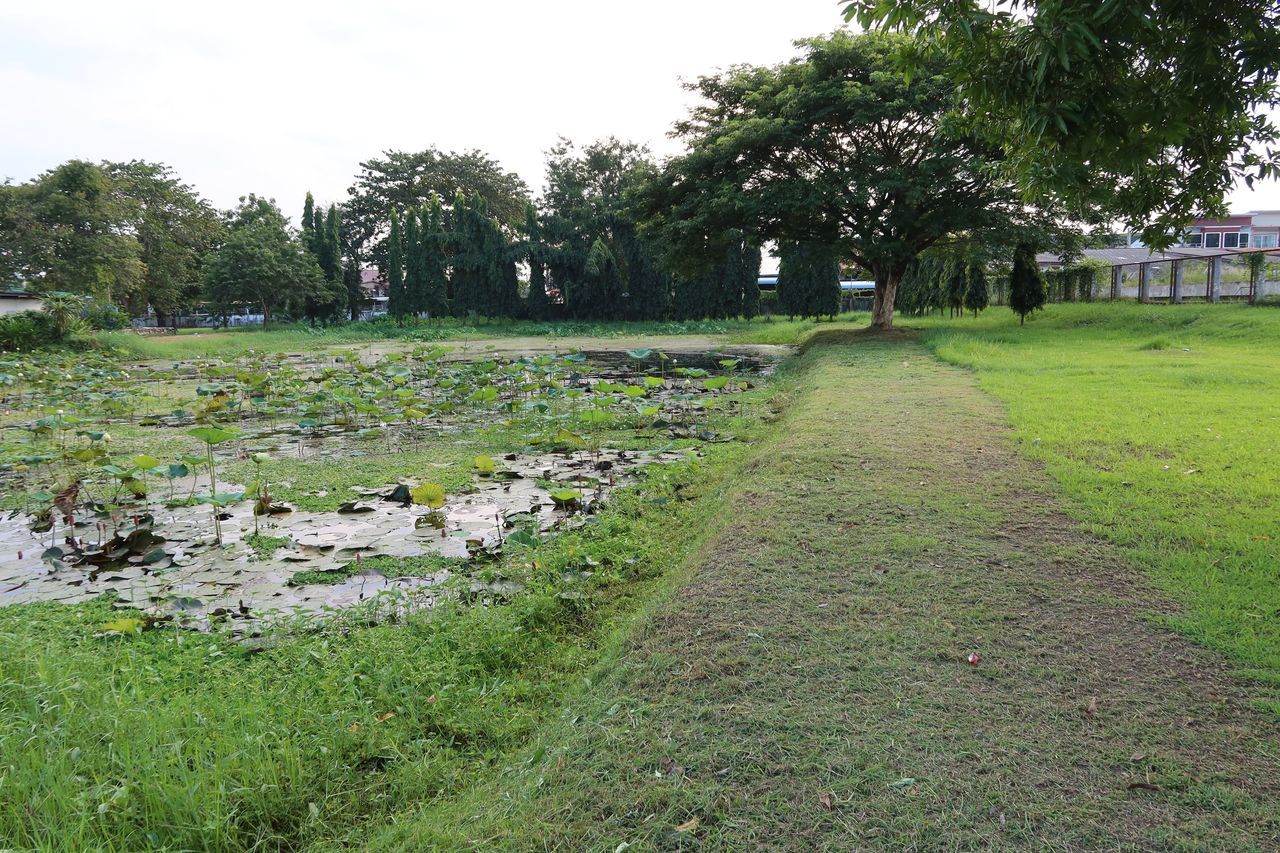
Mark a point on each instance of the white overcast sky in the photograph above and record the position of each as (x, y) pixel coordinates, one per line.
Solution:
(278, 98)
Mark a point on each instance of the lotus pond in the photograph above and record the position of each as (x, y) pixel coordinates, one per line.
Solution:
(241, 489)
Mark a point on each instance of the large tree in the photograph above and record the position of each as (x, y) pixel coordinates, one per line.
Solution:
(70, 230)
(262, 264)
(1148, 110)
(175, 228)
(406, 180)
(587, 199)
(838, 148)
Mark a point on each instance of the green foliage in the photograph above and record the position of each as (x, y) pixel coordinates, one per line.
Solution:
(262, 265)
(397, 295)
(66, 231)
(537, 304)
(26, 331)
(808, 281)
(407, 180)
(976, 295)
(587, 200)
(1026, 284)
(1147, 112)
(899, 177)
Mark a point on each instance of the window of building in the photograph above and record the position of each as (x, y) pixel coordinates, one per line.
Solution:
(1230, 241)
(1264, 241)
(1195, 240)
(1212, 240)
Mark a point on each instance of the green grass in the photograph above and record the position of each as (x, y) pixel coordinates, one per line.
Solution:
(804, 684)
(168, 739)
(1161, 425)
(763, 330)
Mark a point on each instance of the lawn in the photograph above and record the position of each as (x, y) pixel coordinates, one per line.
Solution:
(1161, 425)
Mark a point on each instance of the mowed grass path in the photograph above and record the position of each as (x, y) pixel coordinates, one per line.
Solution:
(805, 686)
(1162, 426)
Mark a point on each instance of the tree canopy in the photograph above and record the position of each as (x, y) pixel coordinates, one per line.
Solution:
(406, 180)
(837, 148)
(262, 264)
(1147, 111)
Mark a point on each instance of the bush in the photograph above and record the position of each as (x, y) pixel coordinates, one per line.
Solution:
(104, 317)
(26, 330)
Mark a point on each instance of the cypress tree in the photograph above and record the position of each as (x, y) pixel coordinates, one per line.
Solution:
(536, 304)
(355, 291)
(396, 303)
(432, 234)
(975, 296)
(808, 281)
(414, 286)
(1026, 284)
(603, 290)
(327, 249)
(749, 307)
(308, 222)
(957, 282)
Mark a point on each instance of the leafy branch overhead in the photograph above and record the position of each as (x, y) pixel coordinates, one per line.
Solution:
(1147, 112)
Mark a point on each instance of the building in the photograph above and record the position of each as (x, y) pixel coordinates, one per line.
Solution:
(13, 301)
(1256, 229)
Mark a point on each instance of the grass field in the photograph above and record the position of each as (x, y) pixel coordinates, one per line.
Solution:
(1162, 426)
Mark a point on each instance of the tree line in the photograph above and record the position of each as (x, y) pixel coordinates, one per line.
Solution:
(893, 153)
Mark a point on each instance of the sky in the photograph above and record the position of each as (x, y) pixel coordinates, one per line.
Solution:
(278, 98)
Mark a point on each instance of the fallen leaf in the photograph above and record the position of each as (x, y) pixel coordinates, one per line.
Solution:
(689, 825)
(669, 767)
(825, 800)
(354, 727)
(1144, 786)
(382, 718)
(431, 700)
(1092, 707)
(1137, 756)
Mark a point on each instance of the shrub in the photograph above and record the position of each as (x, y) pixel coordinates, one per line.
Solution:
(26, 330)
(104, 317)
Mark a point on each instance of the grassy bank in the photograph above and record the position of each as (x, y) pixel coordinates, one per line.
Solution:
(174, 740)
(1161, 425)
(196, 343)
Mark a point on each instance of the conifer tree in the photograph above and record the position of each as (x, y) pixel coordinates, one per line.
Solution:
(1026, 284)
(536, 304)
(434, 300)
(750, 304)
(396, 301)
(602, 293)
(976, 297)
(354, 288)
(327, 250)
(808, 281)
(414, 286)
(308, 222)
(957, 282)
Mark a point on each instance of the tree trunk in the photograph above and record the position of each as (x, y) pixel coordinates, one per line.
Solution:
(886, 292)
